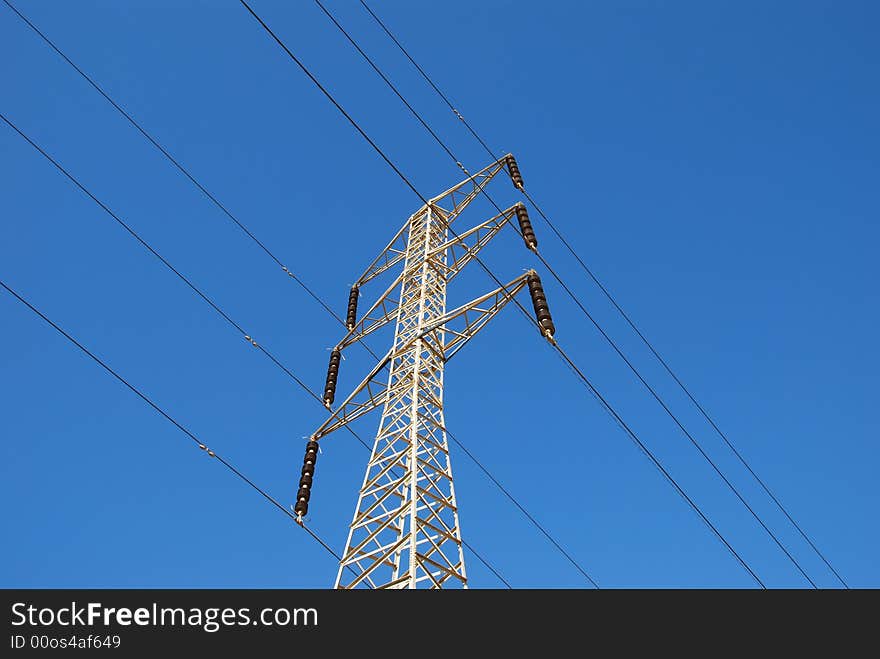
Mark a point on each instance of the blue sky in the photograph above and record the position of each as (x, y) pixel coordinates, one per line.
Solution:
(715, 163)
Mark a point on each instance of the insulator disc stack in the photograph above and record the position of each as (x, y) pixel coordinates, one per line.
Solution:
(525, 227)
(539, 302)
(351, 316)
(332, 376)
(301, 507)
(515, 176)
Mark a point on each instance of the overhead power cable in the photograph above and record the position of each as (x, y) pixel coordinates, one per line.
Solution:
(653, 459)
(525, 512)
(174, 161)
(329, 96)
(476, 258)
(684, 430)
(427, 79)
(162, 259)
(592, 276)
(188, 433)
(403, 100)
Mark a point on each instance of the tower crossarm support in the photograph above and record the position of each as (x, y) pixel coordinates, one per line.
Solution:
(368, 395)
(461, 250)
(383, 311)
(462, 193)
(393, 254)
(449, 259)
(454, 200)
(464, 323)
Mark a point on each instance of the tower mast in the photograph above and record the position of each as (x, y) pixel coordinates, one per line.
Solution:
(405, 527)
(405, 532)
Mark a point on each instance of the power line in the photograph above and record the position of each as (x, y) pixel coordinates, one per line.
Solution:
(653, 459)
(625, 427)
(488, 565)
(174, 161)
(152, 251)
(182, 277)
(478, 260)
(612, 300)
(183, 170)
(210, 452)
(684, 430)
(428, 79)
(333, 100)
(687, 392)
(393, 88)
(525, 512)
(571, 294)
(197, 290)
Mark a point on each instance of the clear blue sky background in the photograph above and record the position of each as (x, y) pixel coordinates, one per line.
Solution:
(715, 163)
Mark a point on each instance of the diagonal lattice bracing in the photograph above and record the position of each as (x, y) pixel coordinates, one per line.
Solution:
(405, 532)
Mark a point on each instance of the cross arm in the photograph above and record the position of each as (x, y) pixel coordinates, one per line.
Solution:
(459, 252)
(368, 395)
(457, 198)
(465, 322)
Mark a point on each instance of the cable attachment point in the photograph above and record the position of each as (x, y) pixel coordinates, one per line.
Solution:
(251, 341)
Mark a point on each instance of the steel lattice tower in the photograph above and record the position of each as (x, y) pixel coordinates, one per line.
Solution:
(405, 532)
(406, 520)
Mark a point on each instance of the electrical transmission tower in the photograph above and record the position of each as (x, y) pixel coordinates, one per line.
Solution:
(405, 532)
